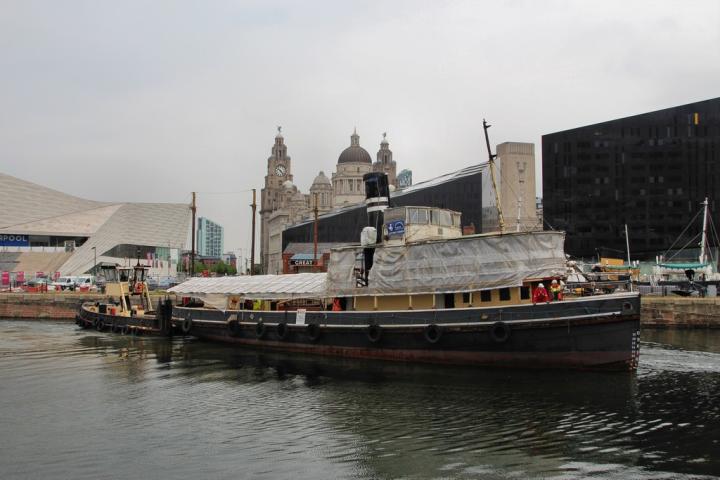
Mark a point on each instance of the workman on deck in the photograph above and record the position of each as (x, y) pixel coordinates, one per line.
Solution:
(336, 307)
(556, 290)
(540, 295)
(257, 305)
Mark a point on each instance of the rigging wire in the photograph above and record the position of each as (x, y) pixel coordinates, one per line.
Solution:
(682, 233)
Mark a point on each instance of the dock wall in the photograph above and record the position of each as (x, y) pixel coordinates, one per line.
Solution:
(680, 312)
(60, 305)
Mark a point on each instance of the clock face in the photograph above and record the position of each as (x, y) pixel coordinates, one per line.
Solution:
(280, 170)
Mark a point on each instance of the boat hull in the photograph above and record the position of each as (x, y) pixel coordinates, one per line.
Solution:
(147, 324)
(599, 333)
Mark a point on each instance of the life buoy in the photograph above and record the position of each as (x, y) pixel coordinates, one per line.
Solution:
(500, 332)
(374, 333)
(260, 330)
(313, 331)
(433, 333)
(234, 328)
(100, 326)
(186, 325)
(281, 330)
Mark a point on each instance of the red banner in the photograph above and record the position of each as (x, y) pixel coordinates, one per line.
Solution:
(6, 278)
(20, 277)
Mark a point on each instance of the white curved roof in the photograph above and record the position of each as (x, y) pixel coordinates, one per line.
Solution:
(30, 209)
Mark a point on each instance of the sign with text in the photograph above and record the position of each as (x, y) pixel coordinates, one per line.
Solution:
(14, 240)
(395, 228)
(303, 263)
(300, 316)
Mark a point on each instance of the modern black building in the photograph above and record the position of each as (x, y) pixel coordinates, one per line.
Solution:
(650, 171)
(460, 191)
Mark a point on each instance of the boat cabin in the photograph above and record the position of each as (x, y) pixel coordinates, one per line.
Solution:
(413, 224)
(122, 283)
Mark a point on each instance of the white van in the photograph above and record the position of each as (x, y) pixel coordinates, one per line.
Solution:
(64, 283)
(85, 282)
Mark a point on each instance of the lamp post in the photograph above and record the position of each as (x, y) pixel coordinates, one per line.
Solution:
(95, 260)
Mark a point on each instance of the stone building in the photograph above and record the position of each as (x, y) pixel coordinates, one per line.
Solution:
(282, 204)
(515, 178)
(353, 163)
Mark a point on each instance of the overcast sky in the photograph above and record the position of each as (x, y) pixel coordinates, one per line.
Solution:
(149, 101)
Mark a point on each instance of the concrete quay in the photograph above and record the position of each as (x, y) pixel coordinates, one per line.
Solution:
(680, 312)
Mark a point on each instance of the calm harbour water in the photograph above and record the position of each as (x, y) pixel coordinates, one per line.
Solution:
(79, 404)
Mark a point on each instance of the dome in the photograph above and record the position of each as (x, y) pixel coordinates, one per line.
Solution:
(354, 153)
(321, 179)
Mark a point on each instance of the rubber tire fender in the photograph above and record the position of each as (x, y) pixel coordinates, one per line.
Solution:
(260, 330)
(313, 331)
(282, 330)
(433, 333)
(186, 325)
(500, 332)
(234, 328)
(374, 333)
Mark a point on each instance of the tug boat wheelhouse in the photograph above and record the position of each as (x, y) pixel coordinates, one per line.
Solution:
(416, 290)
(129, 308)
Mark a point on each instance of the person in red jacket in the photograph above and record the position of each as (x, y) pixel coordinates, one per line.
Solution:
(540, 295)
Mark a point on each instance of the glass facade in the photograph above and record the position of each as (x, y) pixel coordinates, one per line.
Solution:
(209, 238)
(650, 171)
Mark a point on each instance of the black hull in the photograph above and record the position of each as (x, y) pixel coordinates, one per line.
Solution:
(148, 324)
(596, 333)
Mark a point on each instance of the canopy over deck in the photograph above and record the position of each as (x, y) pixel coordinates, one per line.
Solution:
(264, 287)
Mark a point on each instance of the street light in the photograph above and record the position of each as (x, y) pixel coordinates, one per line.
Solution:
(94, 249)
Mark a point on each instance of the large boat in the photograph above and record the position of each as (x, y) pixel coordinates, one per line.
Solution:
(128, 308)
(416, 290)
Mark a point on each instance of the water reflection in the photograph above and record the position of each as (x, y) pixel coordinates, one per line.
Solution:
(216, 411)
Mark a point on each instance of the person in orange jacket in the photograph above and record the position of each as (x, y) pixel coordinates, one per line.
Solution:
(336, 307)
(556, 290)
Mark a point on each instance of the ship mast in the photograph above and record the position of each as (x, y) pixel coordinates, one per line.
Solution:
(491, 161)
(193, 209)
(703, 239)
(253, 206)
(315, 233)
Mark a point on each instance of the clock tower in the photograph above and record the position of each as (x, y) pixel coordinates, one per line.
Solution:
(273, 196)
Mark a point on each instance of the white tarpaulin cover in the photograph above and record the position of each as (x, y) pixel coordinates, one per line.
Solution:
(464, 264)
(214, 290)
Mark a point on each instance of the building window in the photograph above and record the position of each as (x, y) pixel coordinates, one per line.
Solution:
(524, 293)
(504, 294)
(466, 297)
(486, 295)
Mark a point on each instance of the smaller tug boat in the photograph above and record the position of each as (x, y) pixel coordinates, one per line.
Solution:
(129, 309)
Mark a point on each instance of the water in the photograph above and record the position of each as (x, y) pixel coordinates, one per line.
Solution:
(79, 404)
